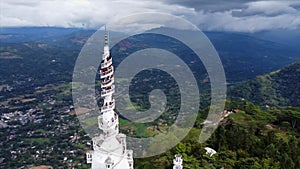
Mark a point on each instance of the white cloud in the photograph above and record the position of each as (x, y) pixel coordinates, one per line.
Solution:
(258, 16)
(248, 16)
(70, 13)
(142, 22)
(269, 8)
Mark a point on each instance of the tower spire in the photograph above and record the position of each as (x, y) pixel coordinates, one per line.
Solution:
(110, 150)
(105, 37)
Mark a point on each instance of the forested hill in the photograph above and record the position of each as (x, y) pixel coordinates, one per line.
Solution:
(281, 88)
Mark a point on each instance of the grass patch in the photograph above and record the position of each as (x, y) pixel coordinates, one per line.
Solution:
(139, 129)
(92, 121)
(39, 140)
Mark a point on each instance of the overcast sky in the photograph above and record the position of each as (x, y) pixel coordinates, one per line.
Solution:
(219, 15)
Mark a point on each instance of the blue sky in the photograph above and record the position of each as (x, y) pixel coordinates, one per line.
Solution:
(216, 15)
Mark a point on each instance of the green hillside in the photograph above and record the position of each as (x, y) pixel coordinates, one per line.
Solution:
(249, 138)
(281, 87)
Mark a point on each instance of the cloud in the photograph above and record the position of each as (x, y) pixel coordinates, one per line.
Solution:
(224, 21)
(212, 5)
(268, 8)
(142, 22)
(218, 15)
(75, 13)
(256, 16)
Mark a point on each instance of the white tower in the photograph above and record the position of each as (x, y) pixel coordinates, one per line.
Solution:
(109, 147)
(177, 162)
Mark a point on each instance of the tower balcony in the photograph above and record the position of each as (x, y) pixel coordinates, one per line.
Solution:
(107, 90)
(107, 82)
(106, 74)
(106, 71)
(110, 106)
(106, 63)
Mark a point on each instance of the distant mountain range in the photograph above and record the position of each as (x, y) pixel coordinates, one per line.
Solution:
(280, 87)
(290, 38)
(244, 56)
